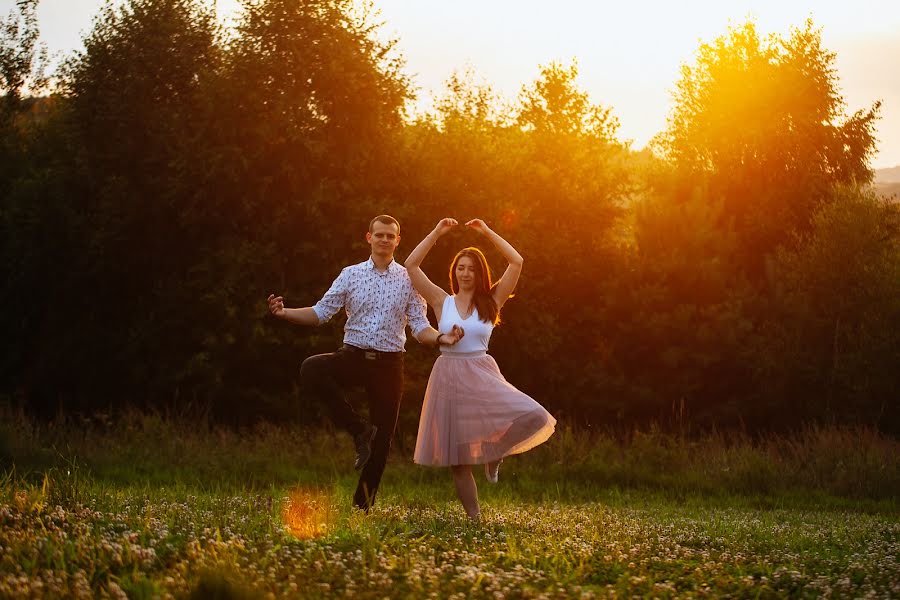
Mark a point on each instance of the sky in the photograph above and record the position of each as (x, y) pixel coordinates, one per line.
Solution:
(629, 52)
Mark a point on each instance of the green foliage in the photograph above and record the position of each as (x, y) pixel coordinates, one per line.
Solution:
(22, 60)
(175, 226)
(843, 463)
(678, 311)
(763, 121)
(181, 173)
(550, 175)
(22, 64)
(93, 234)
(832, 322)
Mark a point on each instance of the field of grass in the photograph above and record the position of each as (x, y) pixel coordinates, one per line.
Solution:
(144, 507)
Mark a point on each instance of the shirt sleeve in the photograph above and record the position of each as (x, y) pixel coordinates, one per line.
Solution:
(334, 298)
(416, 312)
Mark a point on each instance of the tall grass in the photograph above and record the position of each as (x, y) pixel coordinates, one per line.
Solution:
(852, 463)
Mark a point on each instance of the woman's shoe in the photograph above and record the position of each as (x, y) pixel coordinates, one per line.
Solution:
(492, 471)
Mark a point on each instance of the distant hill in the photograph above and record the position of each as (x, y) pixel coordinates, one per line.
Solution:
(890, 190)
(887, 182)
(889, 175)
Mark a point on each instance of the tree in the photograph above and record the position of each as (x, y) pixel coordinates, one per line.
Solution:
(33, 232)
(829, 348)
(576, 179)
(548, 173)
(23, 61)
(763, 121)
(194, 176)
(678, 313)
(553, 105)
(128, 103)
(295, 148)
(22, 71)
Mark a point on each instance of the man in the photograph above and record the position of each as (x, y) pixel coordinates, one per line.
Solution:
(379, 300)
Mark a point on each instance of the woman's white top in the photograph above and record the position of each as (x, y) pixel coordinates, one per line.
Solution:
(478, 332)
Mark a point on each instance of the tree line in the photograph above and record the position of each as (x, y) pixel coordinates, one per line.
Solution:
(738, 273)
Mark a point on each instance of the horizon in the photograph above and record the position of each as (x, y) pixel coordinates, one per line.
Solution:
(504, 43)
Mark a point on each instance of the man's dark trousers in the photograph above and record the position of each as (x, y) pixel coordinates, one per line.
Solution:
(328, 376)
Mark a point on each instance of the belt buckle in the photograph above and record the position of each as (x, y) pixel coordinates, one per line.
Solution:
(370, 355)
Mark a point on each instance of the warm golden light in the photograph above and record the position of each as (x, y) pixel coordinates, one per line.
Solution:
(629, 53)
(308, 513)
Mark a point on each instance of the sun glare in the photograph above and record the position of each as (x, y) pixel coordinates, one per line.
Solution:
(629, 53)
(308, 513)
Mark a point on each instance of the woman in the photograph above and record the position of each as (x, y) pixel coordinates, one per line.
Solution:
(471, 414)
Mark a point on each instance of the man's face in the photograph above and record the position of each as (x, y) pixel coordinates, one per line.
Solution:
(384, 239)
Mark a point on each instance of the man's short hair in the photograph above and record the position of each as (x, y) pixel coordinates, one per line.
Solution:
(386, 219)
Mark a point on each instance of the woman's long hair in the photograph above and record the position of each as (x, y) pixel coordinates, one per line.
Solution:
(484, 301)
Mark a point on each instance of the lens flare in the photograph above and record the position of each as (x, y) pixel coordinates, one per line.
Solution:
(308, 513)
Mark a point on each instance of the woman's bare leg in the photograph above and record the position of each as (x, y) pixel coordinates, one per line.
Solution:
(466, 489)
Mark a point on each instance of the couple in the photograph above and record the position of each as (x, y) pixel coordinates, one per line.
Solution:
(471, 415)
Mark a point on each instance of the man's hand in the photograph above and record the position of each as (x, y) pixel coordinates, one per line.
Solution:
(455, 334)
(479, 226)
(276, 306)
(445, 225)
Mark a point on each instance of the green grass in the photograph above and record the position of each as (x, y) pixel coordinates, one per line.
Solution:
(146, 507)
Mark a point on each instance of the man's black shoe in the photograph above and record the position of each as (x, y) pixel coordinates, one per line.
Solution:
(363, 443)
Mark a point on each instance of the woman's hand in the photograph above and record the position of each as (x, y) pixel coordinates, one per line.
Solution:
(445, 225)
(479, 226)
(450, 339)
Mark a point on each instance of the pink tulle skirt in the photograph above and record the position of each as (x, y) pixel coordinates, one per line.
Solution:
(472, 415)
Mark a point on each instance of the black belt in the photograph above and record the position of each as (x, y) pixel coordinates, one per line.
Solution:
(369, 354)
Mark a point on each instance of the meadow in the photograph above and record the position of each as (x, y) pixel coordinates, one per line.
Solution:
(142, 506)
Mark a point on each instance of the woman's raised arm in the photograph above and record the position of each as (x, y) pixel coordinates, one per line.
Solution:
(507, 283)
(433, 294)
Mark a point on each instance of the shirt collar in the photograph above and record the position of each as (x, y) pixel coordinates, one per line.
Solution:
(392, 266)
